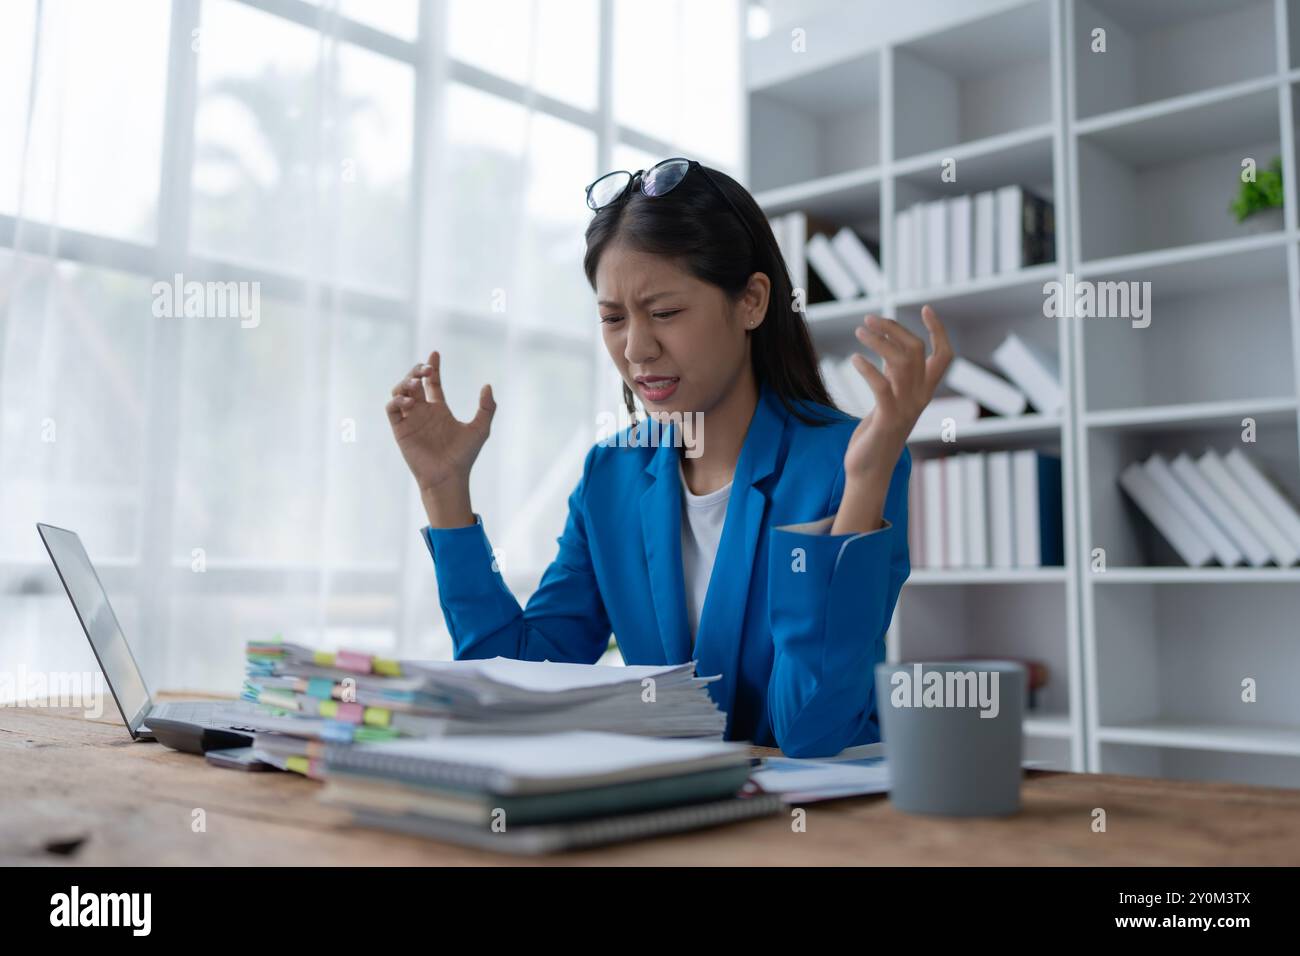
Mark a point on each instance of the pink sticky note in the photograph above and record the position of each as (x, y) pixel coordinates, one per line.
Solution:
(349, 712)
(352, 661)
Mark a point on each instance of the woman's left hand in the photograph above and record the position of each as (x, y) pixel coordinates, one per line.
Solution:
(902, 390)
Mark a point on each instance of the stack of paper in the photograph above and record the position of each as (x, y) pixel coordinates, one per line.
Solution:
(542, 792)
(344, 697)
(1217, 508)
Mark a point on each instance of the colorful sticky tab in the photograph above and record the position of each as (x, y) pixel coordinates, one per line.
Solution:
(321, 687)
(352, 661)
(297, 764)
(337, 731)
(387, 667)
(322, 658)
(372, 734)
(377, 717)
(277, 698)
(349, 712)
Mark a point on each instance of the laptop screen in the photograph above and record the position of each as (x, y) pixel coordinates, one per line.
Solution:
(99, 622)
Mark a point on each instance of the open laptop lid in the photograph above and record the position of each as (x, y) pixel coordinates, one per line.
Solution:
(99, 622)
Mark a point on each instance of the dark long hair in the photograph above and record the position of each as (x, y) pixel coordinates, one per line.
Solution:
(693, 225)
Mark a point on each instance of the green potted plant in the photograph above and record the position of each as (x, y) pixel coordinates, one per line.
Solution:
(1260, 202)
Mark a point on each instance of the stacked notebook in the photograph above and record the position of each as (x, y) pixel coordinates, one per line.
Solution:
(1215, 508)
(538, 794)
(1000, 509)
(311, 698)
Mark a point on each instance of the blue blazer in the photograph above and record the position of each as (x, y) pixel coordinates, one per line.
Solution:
(794, 619)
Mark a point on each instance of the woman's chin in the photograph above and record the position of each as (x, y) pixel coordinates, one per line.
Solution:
(664, 412)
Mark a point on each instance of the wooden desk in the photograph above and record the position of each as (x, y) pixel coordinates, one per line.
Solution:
(80, 791)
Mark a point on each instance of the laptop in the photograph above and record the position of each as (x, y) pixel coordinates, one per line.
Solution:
(123, 677)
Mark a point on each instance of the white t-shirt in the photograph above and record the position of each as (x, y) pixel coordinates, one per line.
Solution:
(702, 520)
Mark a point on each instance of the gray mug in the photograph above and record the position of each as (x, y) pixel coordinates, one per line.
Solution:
(953, 733)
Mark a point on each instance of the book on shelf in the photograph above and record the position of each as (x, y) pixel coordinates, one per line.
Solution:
(1039, 519)
(788, 231)
(1282, 513)
(1217, 474)
(915, 517)
(793, 231)
(976, 530)
(936, 242)
(985, 234)
(1026, 229)
(920, 274)
(1160, 511)
(827, 265)
(960, 261)
(954, 507)
(1191, 512)
(981, 510)
(1217, 506)
(1033, 371)
(857, 258)
(902, 252)
(1034, 379)
(947, 241)
(1001, 510)
(934, 520)
(994, 393)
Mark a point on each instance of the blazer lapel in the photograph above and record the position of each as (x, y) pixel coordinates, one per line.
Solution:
(718, 639)
(661, 533)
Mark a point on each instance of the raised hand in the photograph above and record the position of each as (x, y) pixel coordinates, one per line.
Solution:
(902, 390)
(439, 449)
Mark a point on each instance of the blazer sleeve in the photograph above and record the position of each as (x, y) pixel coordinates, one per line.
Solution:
(564, 620)
(829, 607)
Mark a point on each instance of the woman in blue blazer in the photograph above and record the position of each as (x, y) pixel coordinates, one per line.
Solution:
(790, 601)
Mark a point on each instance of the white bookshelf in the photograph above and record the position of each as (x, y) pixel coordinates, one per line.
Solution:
(1139, 148)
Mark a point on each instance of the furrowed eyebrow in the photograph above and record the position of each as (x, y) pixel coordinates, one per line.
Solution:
(645, 301)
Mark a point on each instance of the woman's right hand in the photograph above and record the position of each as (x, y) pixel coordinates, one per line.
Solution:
(439, 449)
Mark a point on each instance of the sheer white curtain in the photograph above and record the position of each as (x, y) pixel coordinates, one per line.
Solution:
(375, 180)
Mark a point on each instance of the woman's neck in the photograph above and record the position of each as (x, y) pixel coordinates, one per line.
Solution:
(720, 437)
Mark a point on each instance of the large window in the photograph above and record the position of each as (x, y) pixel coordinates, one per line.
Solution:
(381, 179)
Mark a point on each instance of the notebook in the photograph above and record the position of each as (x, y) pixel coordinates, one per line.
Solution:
(545, 763)
(557, 837)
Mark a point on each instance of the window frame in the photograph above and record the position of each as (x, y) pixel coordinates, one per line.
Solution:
(154, 576)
